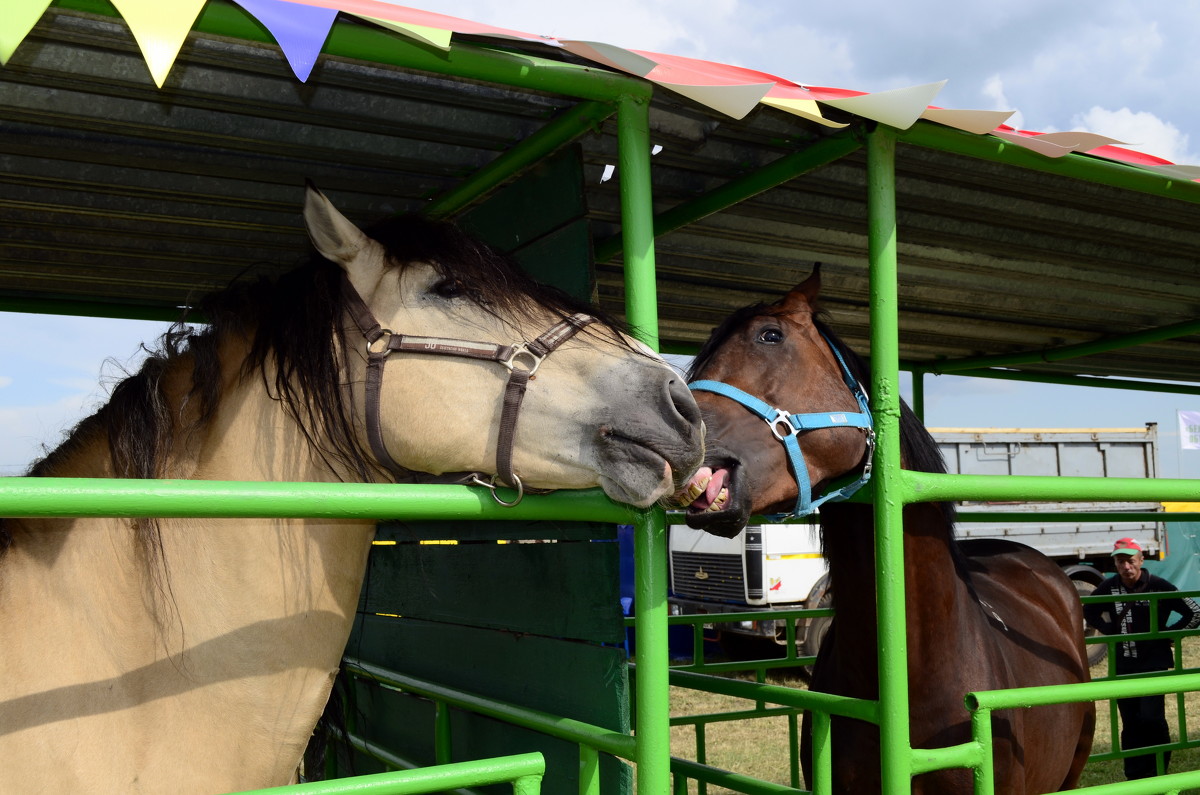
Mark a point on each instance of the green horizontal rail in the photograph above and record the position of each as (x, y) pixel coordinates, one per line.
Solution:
(723, 778)
(968, 515)
(604, 740)
(1089, 381)
(376, 45)
(1106, 345)
(524, 771)
(785, 696)
(1018, 698)
(60, 497)
(927, 487)
(1075, 166)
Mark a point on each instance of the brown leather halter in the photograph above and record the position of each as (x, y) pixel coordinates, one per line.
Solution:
(520, 359)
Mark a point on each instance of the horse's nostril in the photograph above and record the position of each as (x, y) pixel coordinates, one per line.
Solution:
(684, 403)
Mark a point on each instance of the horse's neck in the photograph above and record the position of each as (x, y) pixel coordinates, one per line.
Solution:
(933, 578)
(230, 647)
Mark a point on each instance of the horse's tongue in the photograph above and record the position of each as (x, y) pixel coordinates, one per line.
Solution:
(715, 484)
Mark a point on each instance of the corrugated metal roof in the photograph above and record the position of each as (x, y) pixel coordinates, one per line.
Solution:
(118, 191)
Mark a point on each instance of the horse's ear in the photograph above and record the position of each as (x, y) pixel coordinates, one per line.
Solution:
(808, 289)
(333, 234)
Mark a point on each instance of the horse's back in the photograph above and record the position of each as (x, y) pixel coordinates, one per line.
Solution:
(1036, 611)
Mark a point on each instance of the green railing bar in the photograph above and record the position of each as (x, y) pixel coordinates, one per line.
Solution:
(565, 128)
(605, 740)
(984, 778)
(637, 227)
(1075, 166)
(589, 770)
(969, 754)
(788, 167)
(723, 778)
(929, 487)
(1018, 698)
(1076, 351)
(888, 484)
(376, 45)
(380, 753)
(57, 497)
(525, 771)
(790, 697)
(652, 700)
(729, 717)
(443, 746)
(1089, 381)
(48, 306)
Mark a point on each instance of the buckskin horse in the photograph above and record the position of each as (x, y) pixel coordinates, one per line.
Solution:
(982, 615)
(189, 655)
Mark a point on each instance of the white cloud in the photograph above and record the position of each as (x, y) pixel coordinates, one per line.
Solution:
(1140, 130)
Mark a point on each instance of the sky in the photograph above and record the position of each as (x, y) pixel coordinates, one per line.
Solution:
(1124, 70)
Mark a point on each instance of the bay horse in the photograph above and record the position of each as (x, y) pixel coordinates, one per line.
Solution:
(181, 655)
(982, 615)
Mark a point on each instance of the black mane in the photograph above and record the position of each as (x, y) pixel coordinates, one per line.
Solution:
(295, 324)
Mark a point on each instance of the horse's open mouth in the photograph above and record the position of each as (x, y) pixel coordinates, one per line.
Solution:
(707, 491)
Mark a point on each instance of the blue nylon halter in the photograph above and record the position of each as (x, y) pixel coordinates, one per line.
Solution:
(787, 427)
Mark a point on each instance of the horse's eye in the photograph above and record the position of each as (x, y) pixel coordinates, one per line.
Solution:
(449, 288)
(770, 336)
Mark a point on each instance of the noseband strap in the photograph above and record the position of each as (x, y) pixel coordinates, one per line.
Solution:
(787, 427)
(521, 359)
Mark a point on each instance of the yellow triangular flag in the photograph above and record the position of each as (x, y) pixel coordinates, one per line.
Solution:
(804, 108)
(160, 27)
(18, 19)
(435, 37)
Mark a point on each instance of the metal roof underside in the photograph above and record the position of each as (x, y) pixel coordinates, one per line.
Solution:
(117, 192)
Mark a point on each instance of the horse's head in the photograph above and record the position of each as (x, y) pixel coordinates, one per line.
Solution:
(600, 410)
(777, 354)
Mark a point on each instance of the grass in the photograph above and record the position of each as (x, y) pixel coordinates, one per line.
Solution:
(759, 748)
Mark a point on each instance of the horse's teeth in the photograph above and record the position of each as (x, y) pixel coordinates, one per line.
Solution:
(719, 502)
(694, 490)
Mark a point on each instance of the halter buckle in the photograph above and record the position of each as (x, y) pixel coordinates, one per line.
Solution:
(386, 335)
(529, 358)
(784, 418)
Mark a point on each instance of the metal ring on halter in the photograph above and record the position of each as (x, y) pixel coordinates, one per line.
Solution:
(785, 418)
(521, 349)
(520, 487)
(386, 335)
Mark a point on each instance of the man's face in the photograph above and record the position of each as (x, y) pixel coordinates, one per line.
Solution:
(1129, 567)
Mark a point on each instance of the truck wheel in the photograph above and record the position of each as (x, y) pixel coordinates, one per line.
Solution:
(1095, 653)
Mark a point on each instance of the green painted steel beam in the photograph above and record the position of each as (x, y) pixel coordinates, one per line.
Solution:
(48, 306)
(525, 771)
(888, 485)
(970, 754)
(825, 151)
(575, 731)
(1076, 166)
(637, 227)
(59, 497)
(1018, 698)
(652, 705)
(1091, 382)
(929, 487)
(1075, 516)
(568, 126)
(856, 708)
(1106, 345)
(377, 45)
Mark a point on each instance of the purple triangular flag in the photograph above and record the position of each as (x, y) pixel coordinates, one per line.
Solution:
(300, 29)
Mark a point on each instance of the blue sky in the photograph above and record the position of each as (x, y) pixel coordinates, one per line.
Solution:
(1120, 69)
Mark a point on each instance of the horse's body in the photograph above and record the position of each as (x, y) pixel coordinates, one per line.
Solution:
(196, 656)
(982, 615)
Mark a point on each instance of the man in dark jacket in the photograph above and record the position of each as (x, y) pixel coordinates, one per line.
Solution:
(1143, 718)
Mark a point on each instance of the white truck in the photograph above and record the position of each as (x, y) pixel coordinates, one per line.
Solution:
(777, 567)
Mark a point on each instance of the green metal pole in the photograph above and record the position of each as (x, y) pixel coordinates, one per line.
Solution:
(442, 750)
(918, 388)
(568, 126)
(786, 168)
(589, 770)
(1091, 382)
(652, 714)
(637, 223)
(889, 488)
(928, 487)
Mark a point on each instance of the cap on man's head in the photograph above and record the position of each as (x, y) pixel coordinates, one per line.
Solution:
(1126, 546)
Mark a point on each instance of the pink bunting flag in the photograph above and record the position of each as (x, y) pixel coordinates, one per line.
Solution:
(301, 30)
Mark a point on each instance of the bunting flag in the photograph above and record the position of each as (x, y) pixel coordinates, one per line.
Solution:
(18, 19)
(300, 30)
(160, 29)
(435, 37)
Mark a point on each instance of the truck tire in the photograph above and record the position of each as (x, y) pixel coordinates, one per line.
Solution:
(1096, 652)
